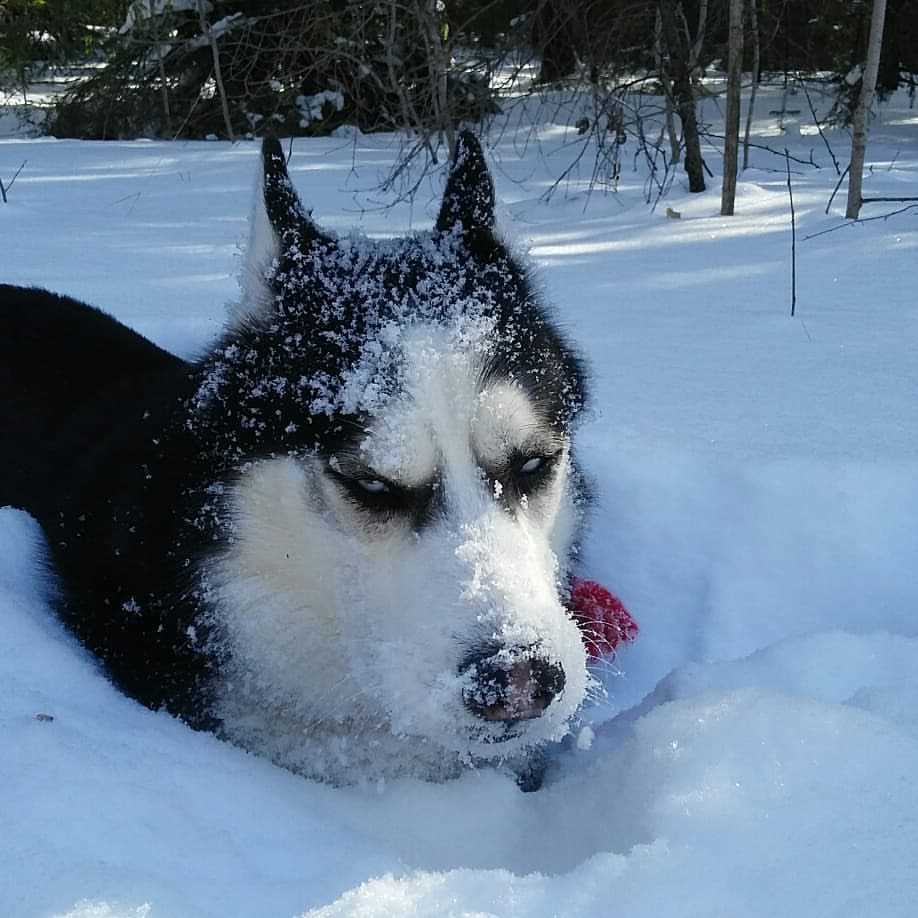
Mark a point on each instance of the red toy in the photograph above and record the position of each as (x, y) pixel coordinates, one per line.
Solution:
(602, 617)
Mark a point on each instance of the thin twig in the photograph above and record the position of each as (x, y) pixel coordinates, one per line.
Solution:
(16, 174)
(760, 146)
(806, 92)
(841, 178)
(133, 198)
(857, 222)
(4, 189)
(793, 225)
(194, 105)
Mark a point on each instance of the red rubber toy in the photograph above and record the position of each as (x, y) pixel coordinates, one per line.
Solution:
(602, 617)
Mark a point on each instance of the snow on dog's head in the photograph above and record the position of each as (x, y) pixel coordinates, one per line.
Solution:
(395, 418)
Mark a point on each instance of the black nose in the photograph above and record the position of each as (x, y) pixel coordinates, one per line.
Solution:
(510, 686)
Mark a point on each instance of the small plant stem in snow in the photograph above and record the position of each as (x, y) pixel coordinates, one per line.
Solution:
(4, 189)
(790, 192)
(841, 178)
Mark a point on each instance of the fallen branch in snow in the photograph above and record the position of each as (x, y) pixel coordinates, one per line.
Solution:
(133, 198)
(4, 189)
(832, 229)
(793, 227)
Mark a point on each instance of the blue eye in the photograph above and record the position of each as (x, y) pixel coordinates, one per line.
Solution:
(373, 485)
(528, 474)
(385, 499)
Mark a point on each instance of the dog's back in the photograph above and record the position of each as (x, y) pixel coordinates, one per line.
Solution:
(61, 363)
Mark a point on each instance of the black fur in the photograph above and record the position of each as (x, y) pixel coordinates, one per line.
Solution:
(122, 451)
(91, 415)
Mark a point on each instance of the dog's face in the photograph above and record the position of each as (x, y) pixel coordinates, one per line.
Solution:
(405, 499)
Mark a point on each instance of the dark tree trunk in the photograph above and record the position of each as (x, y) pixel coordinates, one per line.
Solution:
(756, 75)
(683, 98)
(732, 115)
(553, 34)
(888, 74)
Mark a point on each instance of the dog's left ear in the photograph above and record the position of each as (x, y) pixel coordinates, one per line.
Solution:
(278, 224)
(468, 201)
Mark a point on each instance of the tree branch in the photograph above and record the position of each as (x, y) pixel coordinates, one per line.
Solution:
(4, 189)
(832, 229)
(793, 226)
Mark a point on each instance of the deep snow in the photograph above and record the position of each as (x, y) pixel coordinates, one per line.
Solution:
(758, 491)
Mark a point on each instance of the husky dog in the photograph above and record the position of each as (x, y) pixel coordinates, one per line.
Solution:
(342, 537)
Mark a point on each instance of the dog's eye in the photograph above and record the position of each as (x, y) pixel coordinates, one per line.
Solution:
(379, 495)
(529, 473)
(373, 485)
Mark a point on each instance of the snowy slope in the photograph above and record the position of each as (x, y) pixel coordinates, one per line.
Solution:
(758, 492)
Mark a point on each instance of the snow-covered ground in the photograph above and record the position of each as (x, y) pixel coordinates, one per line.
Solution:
(757, 481)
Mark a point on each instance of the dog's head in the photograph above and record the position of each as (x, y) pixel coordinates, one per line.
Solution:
(398, 414)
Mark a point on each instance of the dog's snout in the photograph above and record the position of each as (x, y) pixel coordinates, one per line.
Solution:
(504, 686)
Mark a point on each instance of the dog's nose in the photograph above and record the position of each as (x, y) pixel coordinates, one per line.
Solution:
(508, 687)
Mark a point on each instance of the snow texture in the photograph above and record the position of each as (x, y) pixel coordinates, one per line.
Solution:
(757, 496)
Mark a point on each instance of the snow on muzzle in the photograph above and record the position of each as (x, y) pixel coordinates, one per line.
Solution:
(525, 662)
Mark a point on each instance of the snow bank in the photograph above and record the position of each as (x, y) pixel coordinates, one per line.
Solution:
(719, 805)
(777, 783)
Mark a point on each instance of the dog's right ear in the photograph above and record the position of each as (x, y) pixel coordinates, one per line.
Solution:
(468, 199)
(278, 224)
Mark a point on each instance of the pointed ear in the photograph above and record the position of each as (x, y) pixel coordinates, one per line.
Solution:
(278, 223)
(468, 201)
(292, 225)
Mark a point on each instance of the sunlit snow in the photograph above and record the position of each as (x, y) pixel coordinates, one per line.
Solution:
(757, 497)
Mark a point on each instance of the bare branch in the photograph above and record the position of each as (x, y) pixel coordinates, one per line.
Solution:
(809, 101)
(860, 220)
(841, 178)
(793, 224)
(4, 189)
